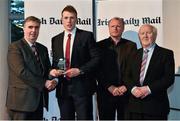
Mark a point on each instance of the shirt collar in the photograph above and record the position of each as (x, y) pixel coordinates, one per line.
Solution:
(72, 32)
(151, 47)
(29, 43)
(115, 42)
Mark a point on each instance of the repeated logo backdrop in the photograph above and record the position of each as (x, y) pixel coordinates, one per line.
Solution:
(134, 12)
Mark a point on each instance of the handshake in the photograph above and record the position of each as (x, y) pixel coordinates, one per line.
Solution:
(51, 84)
(62, 71)
(72, 72)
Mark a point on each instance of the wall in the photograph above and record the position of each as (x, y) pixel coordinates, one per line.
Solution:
(171, 25)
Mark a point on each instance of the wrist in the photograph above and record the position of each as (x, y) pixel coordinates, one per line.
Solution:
(81, 72)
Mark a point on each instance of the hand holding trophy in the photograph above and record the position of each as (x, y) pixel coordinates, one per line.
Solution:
(62, 64)
(61, 68)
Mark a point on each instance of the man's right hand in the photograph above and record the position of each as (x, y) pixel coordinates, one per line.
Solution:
(113, 90)
(50, 84)
(56, 72)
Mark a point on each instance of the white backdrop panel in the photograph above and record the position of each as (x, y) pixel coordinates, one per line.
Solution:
(134, 12)
(49, 11)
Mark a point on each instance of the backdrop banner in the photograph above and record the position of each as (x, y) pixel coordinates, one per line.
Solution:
(134, 12)
(49, 11)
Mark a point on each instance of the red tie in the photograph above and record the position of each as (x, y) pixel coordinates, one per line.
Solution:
(67, 56)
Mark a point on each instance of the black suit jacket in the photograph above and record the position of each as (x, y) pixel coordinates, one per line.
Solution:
(26, 77)
(113, 62)
(85, 56)
(159, 77)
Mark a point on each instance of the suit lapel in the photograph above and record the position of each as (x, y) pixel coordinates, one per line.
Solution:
(60, 45)
(152, 62)
(41, 57)
(75, 45)
(29, 52)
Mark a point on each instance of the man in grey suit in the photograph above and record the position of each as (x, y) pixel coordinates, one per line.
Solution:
(29, 66)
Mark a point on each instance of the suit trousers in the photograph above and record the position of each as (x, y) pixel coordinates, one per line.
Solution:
(76, 107)
(108, 106)
(142, 116)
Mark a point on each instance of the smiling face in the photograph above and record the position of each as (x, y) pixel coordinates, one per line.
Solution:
(31, 31)
(69, 20)
(147, 35)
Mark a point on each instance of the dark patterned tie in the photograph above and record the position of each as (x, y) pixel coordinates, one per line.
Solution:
(143, 66)
(36, 54)
(34, 49)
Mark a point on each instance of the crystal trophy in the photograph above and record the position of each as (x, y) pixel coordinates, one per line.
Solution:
(62, 64)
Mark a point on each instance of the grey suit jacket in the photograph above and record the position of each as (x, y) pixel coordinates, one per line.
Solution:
(26, 77)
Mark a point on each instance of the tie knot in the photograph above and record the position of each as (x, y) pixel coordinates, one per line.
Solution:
(146, 51)
(69, 35)
(33, 45)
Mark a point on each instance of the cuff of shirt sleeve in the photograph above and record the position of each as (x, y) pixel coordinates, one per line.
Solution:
(81, 72)
(133, 89)
(149, 89)
(56, 79)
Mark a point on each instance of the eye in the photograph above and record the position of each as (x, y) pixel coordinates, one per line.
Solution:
(142, 33)
(113, 26)
(118, 26)
(65, 17)
(71, 17)
(37, 27)
(30, 27)
(149, 32)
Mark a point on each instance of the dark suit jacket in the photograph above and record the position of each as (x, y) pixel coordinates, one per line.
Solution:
(85, 56)
(159, 77)
(26, 78)
(113, 63)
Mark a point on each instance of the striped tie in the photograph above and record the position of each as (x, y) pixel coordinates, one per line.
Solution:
(36, 54)
(143, 66)
(34, 49)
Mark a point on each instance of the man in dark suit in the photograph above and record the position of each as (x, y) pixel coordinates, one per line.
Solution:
(28, 75)
(111, 92)
(75, 89)
(150, 75)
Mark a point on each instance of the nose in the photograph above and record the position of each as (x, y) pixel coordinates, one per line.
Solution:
(33, 29)
(68, 20)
